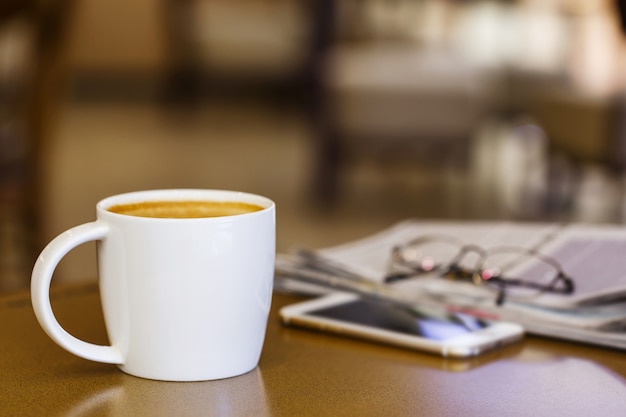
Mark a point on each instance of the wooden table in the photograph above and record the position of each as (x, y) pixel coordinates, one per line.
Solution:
(302, 373)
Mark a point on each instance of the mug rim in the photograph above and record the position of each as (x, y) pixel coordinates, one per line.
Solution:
(184, 194)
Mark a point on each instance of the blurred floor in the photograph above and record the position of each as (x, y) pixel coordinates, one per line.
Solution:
(104, 148)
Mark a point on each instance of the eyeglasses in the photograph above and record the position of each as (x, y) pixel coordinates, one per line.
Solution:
(512, 272)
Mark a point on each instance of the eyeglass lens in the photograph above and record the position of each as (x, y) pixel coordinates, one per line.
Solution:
(524, 274)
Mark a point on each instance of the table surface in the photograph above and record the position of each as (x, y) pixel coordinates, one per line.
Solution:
(302, 373)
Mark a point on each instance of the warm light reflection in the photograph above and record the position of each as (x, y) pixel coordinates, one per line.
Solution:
(241, 395)
(597, 56)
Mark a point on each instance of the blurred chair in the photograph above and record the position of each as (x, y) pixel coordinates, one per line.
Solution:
(32, 32)
(216, 46)
(392, 91)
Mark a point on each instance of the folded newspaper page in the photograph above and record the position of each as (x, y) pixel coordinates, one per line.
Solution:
(593, 256)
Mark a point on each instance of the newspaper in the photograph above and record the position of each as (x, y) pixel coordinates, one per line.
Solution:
(594, 256)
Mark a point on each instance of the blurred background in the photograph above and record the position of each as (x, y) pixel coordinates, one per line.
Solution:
(351, 114)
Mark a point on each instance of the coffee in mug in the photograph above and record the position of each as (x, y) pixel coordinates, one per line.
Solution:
(185, 280)
(184, 209)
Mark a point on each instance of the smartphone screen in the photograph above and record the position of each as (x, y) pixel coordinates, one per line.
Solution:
(451, 336)
(390, 318)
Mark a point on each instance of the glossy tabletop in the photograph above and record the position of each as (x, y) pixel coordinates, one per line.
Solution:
(302, 373)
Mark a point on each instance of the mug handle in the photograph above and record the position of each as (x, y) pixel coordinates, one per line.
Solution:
(40, 292)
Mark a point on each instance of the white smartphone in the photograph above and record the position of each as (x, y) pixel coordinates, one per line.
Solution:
(347, 314)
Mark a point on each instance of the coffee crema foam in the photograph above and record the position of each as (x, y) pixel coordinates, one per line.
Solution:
(184, 209)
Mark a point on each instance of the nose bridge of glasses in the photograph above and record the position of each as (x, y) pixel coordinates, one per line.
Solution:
(469, 256)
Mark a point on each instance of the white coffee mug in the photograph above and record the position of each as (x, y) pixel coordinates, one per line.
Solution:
(184, 299)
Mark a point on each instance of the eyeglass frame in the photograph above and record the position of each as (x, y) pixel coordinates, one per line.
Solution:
(453, 269)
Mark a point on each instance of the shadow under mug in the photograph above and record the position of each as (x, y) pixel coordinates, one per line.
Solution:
(184, 299)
